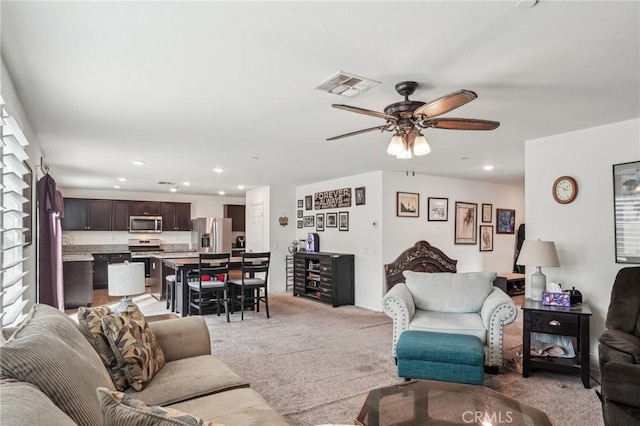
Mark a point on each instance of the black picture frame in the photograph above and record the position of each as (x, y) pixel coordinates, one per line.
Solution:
(626, 211)
(438, 209)
(331, 220)
(361, 195)
(308, 221)
(319, 221)
(343, 221)
(299, 224)
(300, 204)
(486, 238)
(487, 213)
(308, 202)
(407, 204)
(465, 229)
(300, 213)
(505, 221)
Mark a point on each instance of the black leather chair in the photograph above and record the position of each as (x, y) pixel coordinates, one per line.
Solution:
(207, 290)
(252, 264)
(619, 352)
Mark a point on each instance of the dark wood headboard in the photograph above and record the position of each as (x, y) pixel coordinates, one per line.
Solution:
(422, 257)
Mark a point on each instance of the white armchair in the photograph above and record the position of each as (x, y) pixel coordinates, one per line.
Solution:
(465, 303)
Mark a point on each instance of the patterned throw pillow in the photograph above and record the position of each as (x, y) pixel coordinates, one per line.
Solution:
(90, 323)
(134, 346)
(120, 409)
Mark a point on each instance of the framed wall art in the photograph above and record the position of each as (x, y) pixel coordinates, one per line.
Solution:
(438, 209)
(360, 196)
(332, 220)
(320, 222)
(505, 221)
(407, 204)
(308, 221)
(626, 209)
(487, 210)
(465, 223)
(300, 204)
(486, 238)
(308, 202)
(343, 221)
(299, 224)
(300, 213)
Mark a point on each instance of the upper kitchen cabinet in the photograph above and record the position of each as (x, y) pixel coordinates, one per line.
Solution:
(236, 213)
(87, 215)
(145, 208)
(176, 216)
(120, 215)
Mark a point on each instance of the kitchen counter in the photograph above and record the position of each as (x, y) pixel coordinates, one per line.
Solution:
(77, 257)
(174, 255)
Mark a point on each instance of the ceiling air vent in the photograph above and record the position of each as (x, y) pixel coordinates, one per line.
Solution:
(346, 84)
(166, 183)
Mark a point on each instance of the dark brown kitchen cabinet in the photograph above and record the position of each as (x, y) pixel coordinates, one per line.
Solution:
(176, 216)
(145, 208)
(101, 262)
(87, 215)
(236, 212)
(78, 283)
(120, 215)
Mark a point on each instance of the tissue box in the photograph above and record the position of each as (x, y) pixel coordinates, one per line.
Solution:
(556, 299)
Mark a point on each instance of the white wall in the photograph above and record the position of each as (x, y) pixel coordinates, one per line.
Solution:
(583, 231)
(201, 206)
(282, 204)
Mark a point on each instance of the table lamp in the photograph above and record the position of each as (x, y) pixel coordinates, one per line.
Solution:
(125, 279)
(538, 253)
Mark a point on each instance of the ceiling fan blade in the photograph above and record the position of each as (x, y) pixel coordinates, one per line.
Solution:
(366, 112)
(460, 124)
(358, 132)
(445, 104)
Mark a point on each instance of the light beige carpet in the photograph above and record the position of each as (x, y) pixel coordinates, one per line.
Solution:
(315, 363)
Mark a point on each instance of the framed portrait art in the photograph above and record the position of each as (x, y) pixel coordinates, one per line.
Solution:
(438, 209)
(487, 209)
(407, 204)
(332, 220)
(360, 196)
(300, 213)
(465, 223)
(343, 221)
(308, 221)
(486, 238)
(299, 225)
(308, 202)
(505, 221)
(320, 222)
(300, 204)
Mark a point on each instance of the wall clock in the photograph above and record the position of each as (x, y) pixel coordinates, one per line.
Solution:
(564, 189)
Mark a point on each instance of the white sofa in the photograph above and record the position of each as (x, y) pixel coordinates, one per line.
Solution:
(458, 303)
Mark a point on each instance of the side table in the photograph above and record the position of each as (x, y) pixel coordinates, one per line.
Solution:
(566, 321)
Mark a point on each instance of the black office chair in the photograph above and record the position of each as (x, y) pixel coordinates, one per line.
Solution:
(209, 288)
(252, 264)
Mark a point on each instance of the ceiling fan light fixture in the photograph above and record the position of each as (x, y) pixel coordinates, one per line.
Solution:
(396, 146)
(420, 146)
(405, 154)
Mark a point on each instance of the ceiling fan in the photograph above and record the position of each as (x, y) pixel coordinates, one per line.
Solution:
(407, 118)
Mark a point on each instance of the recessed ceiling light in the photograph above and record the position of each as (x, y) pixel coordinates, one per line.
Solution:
(173, 189)
(488, 167)
(139, 162)
(122, 179)
(186, 183)
(464, 158)
(116, 186)
(218, 170)
(240, 186)
(255, 158)
(221, 192)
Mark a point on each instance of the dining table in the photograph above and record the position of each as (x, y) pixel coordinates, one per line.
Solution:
(182, 266)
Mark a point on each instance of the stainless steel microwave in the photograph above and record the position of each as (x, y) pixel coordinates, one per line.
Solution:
(145, 224)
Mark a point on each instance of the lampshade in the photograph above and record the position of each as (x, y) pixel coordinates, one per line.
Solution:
(404, 154)
(125, 279)
(538, 253)
(396, 146)
(420, 146)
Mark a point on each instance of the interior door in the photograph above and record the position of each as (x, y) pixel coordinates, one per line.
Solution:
(256, 241)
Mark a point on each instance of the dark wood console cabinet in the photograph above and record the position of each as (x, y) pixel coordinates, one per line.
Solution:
(328, 277)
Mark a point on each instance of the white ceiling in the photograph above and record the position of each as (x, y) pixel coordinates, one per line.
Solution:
(189, 86)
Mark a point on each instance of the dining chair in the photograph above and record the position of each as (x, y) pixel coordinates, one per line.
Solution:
(252, 264)
(210, 288)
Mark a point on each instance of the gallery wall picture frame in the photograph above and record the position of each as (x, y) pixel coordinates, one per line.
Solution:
(505, 221)
(308, 221)
(487, 210)
(465, 229)
(299, 224)
(308, 202)
(438, 209)
(407, 204)
(319, 221)
(332, 220)
(300, 213)
(360, 196)
(300, 204)
(343, 221)
(486, 237)
(626, 209)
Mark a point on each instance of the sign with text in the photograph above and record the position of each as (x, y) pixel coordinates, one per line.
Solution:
(332, 199)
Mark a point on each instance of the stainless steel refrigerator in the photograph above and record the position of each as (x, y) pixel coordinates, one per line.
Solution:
(211, 234)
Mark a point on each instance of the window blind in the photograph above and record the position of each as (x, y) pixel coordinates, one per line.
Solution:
(12, 145)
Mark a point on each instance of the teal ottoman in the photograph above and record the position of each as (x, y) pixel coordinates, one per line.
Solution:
(457, 358)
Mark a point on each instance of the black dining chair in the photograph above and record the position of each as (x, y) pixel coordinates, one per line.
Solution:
(209, 289)
(252, 264)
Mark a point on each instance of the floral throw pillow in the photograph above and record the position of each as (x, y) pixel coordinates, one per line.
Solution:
(134, 346)
(122, 410)
(90, 324)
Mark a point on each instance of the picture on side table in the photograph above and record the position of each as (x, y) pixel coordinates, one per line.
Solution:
(505, 221)
(438, 209)
(300, 204)
(308, 202)
(407, 204)
(465, 223)
(332, 220)
(344, 221)
(486, 238)
(360, 196)
(320, 222)
(487, 209)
